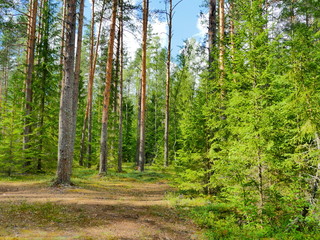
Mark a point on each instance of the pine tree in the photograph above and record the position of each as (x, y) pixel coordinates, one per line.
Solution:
(32, 22)
(120, 39)
(66, 116)
(143, 88)
(106, 94)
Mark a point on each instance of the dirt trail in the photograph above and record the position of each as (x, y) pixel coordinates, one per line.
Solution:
(123, 210)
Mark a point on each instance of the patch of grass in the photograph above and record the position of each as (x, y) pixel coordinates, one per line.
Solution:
(84, 173)
(25, 214)
(147, 176)
(27, 177)
(83, 177)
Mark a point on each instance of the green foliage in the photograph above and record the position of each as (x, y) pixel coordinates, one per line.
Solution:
(228, 221)
(156, 65)
(251, 138)
(11, 159)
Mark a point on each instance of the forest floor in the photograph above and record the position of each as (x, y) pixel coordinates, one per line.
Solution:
(110, 207)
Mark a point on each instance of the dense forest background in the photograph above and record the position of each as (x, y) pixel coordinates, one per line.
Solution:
(236, 116)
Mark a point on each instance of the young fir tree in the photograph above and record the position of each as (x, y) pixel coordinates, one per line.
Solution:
(156, 59)
(45, 96)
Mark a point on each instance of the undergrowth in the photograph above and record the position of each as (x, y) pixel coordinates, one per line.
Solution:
(128, 174)
(226, 221)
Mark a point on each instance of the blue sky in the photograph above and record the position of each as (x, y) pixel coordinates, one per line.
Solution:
(185, 23)
(185, 20)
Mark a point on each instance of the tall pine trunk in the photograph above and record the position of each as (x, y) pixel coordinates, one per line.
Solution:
(120, 143)
(138, 127)
(87, 121)
(212, 32)
(106, 94)
(115, 125)
(167, 111)
(143, 87)
(66, 122)
(77, 71)
(32, 21)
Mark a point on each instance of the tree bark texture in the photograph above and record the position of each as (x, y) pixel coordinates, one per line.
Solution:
(32, 21)
(167, 110)
(143, 86)
(115, 94)
(212, 31)
(66, 120)
(138, 127)
(120, 143)
(106, 94)
(87, 121)
(77, 71)
(63, 40)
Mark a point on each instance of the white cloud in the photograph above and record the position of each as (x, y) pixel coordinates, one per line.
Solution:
(160, 29)
(132, 39)
(202, 25)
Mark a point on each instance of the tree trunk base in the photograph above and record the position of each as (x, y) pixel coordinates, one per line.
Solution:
(59, 184)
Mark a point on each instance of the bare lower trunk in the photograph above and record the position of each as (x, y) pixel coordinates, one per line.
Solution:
(120, 143)
(106, 94)
(138, 128)
(89, 150)
(65, 148)
(143, 87)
